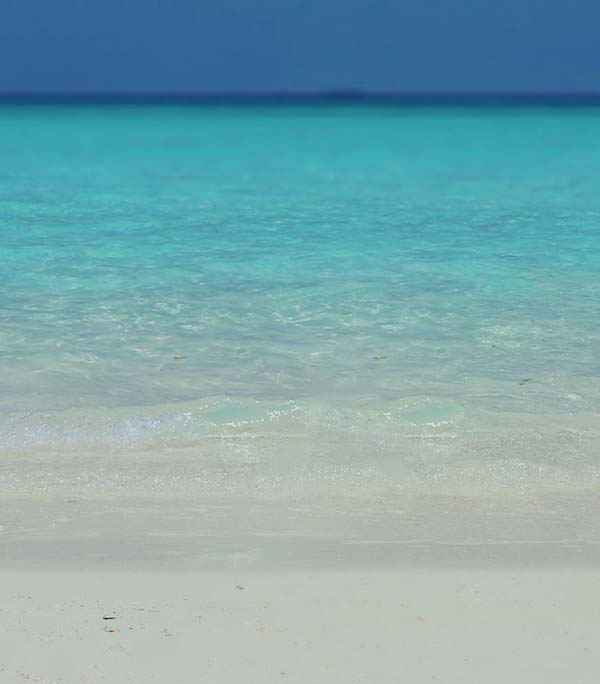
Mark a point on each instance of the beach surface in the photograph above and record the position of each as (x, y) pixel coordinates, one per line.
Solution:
(186, 589)
(391, 625)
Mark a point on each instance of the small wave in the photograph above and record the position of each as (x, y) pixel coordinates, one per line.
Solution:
(287, 445)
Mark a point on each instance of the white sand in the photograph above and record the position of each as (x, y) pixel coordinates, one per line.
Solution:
(375, 626)
(362, 589)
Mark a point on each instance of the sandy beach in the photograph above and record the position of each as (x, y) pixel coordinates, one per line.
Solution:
(347, 626)
(232, 589)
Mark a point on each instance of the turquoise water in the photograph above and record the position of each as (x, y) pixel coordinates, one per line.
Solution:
(362, 294)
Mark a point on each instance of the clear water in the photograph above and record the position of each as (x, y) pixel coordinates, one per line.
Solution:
(366, 296)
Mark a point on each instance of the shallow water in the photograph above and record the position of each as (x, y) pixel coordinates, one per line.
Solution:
(310, 296)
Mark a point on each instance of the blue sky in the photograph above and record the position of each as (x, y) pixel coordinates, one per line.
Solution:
(299, 45)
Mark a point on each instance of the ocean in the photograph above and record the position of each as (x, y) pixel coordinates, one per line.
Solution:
(295, 297)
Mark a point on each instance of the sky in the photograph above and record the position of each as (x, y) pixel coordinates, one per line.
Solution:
(258, 46)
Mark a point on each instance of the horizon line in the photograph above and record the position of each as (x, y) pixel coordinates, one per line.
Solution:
(350, 96)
